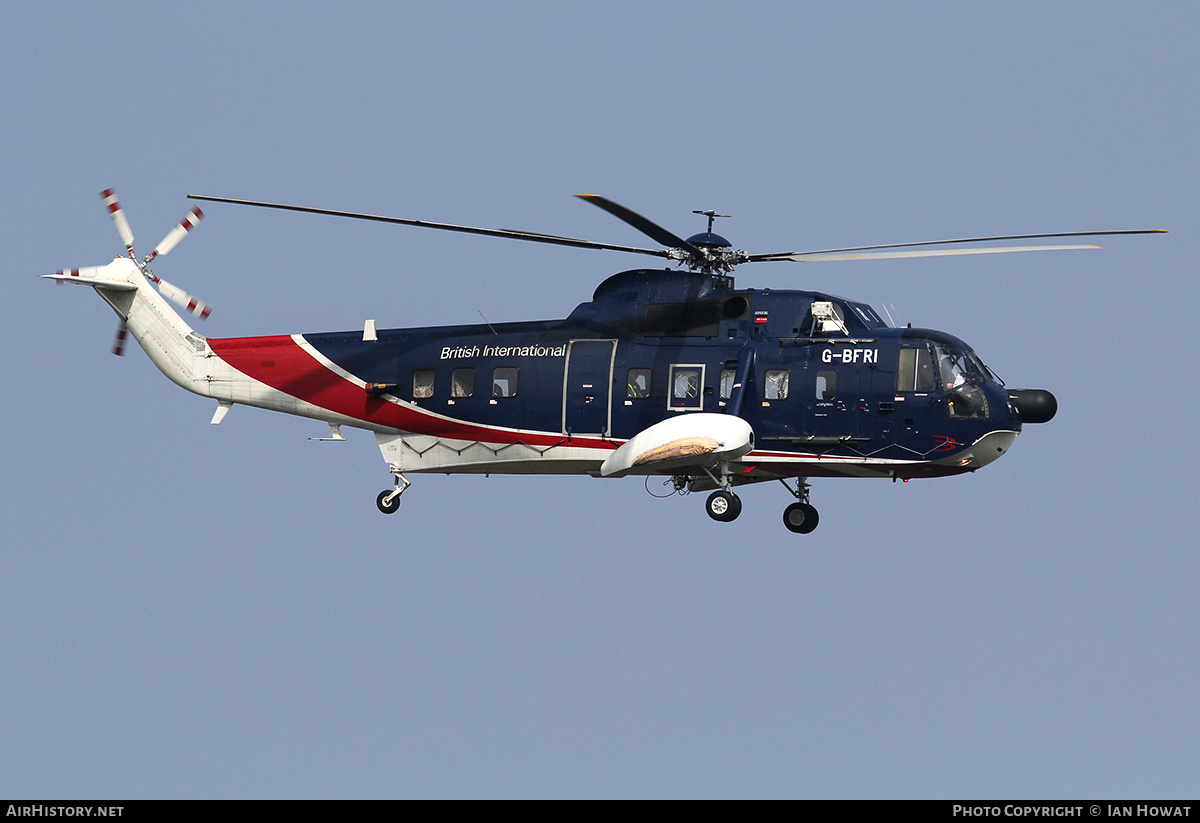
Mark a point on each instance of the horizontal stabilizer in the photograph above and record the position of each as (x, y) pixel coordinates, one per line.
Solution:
(79, 276)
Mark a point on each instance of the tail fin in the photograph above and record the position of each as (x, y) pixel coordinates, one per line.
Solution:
(171, 344)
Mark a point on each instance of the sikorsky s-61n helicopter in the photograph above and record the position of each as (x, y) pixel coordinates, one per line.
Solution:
(667, 372)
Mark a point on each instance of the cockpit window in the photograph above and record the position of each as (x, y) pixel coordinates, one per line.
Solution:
(952, 365)
(916, 370)
(952, 368)
(868, 315)
(958, 366)
(982, 368)
(968, 401)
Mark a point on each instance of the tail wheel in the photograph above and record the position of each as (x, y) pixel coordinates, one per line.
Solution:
(800, 518)
(723, 506)
(386, 506)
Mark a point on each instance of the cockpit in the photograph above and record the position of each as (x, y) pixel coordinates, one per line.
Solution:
(958, 366)
(938, 366)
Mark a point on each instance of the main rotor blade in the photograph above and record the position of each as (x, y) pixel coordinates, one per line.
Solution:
(509, 233)
(537, 237)
(792, 255)
(891, 255)
(647, 227)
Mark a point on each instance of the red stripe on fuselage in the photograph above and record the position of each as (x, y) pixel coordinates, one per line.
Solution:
(279, 362)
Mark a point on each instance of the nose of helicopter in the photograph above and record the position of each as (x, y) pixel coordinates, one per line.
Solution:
(1034, 405)
(983, 451)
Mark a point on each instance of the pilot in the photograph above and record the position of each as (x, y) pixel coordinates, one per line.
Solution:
(952, 377)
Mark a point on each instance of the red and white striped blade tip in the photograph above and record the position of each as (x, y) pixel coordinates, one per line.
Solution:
(181, 298)
(118, 217)
(119, 341)
(178, 233)
(86, 271)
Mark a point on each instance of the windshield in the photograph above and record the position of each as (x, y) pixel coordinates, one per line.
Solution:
(959, 366)
(953, 365)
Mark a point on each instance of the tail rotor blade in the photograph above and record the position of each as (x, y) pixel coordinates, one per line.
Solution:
(189, 222)
(86, 272)
(181, 298)
(119, 341)
(118, 217)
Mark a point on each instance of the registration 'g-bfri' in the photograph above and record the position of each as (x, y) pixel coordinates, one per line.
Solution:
(670, 372)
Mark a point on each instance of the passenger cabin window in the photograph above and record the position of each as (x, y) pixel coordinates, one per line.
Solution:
(687, 384)
(423, 383)
(826, 385)
(462, 382)
(638, 383)
(504, 382)
(727, 378)
(685, 387)
(775, 386)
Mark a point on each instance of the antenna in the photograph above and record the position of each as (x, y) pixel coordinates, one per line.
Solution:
(489, 323)
(711, 215)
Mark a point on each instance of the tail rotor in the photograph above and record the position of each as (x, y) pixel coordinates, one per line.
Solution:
(182, 299)
(118, 217)
(189, 222)
(173, 293)
(119, 340)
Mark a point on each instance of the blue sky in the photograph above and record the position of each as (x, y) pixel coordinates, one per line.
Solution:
(197, 611)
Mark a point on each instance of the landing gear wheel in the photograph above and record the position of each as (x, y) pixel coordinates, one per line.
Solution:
(723, 506)
(388, 507)
(800, 518)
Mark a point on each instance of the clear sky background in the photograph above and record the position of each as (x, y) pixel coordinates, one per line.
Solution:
(198, 611)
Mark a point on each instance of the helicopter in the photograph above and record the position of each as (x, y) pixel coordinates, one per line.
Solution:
(666, 372)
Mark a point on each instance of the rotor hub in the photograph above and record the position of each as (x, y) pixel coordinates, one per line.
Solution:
(707, 239)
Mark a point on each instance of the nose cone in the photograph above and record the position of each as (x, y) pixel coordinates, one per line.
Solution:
(1034, 405)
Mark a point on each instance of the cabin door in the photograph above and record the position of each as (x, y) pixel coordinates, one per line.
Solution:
(836, 393)
(587, 387)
